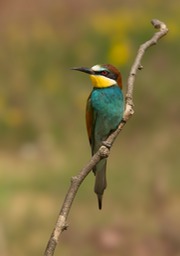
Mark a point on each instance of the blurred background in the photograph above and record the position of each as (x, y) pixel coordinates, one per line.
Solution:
(43, 140)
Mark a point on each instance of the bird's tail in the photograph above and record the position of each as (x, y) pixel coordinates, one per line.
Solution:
(100, 182)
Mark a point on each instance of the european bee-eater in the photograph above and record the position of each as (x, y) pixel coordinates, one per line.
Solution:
(104, 112)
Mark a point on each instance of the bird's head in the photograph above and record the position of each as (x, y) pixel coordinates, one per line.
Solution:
(103, 76)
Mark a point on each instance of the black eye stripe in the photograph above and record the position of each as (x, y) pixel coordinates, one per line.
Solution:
(112, 76)
(106, 74)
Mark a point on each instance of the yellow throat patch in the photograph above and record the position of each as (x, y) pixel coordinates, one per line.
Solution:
(99, 81)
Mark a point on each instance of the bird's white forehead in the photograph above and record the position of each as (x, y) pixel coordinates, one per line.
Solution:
(96, 68)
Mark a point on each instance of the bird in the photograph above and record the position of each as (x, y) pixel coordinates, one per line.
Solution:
(104, 112)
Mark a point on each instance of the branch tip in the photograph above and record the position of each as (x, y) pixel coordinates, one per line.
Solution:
(158, 24)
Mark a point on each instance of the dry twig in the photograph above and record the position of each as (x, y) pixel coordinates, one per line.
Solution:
(103, 151)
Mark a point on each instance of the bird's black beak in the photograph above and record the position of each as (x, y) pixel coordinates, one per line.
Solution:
(85, 70)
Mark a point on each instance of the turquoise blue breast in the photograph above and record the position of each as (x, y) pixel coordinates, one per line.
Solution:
(108, 107)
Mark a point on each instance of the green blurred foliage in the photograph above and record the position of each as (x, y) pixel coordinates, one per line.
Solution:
(43, 136)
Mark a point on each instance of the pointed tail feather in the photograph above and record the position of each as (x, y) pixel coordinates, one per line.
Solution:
(100, 182)
(99, 197)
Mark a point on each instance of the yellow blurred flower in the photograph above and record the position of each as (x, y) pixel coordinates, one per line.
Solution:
(119, 53)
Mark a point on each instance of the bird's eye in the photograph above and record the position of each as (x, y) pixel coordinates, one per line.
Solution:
(104, 73)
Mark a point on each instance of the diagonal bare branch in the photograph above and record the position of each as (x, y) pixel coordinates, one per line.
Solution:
(104, 150)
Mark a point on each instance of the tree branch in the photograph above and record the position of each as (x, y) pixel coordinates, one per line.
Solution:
(104, 150)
